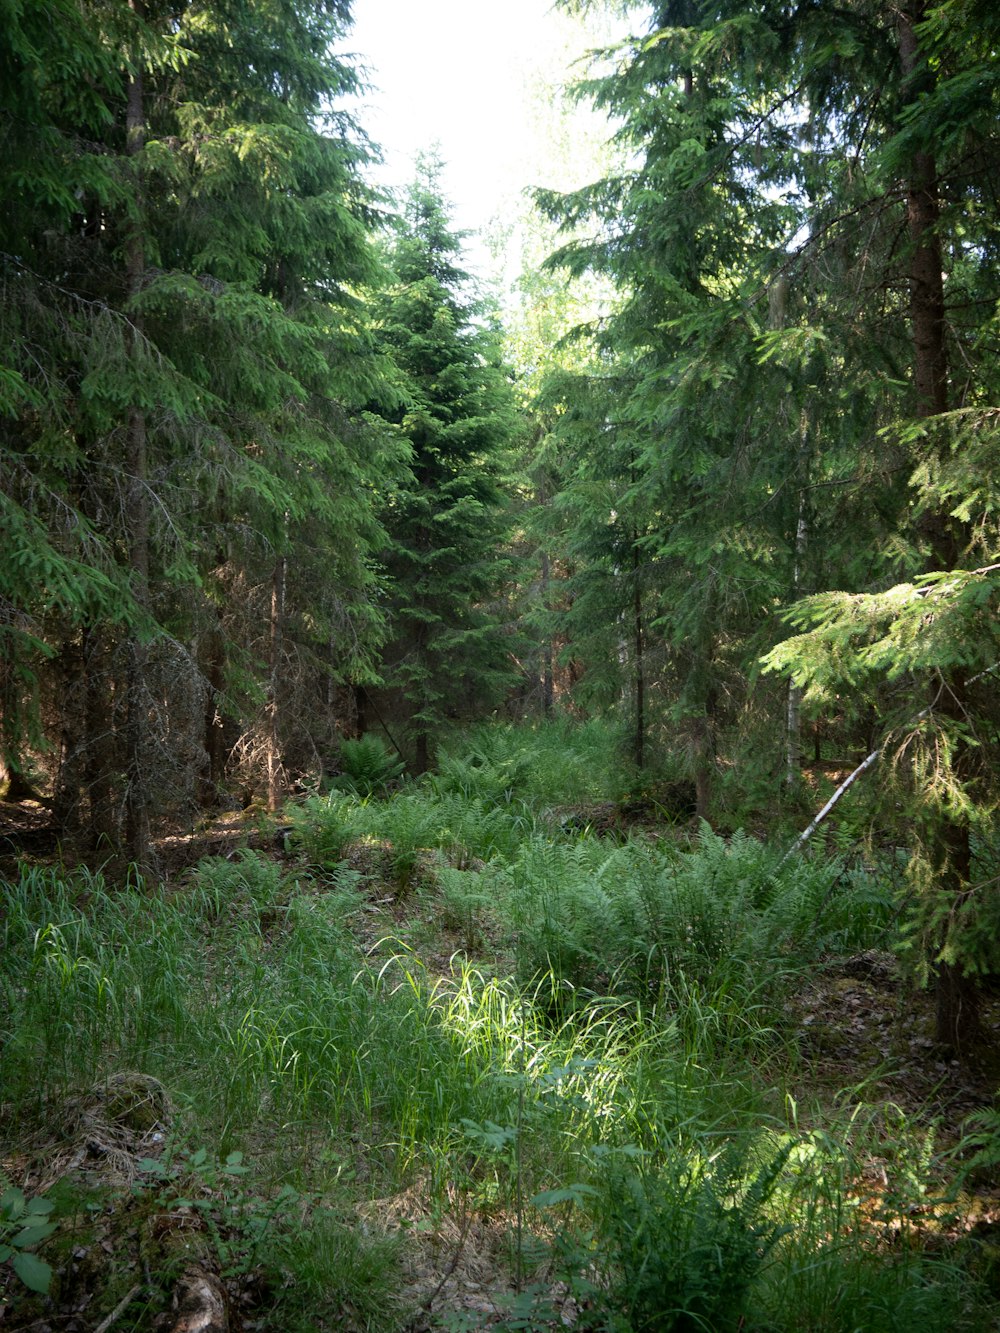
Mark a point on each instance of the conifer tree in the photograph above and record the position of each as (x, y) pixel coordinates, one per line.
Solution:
(804, 180)
(446, 520)
(188, 364)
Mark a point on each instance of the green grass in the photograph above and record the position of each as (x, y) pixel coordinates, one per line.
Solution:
(612, 1076)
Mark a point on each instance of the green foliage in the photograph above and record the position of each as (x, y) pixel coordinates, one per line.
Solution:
(628, 1102)
(411, 824)
(688, 933)
(248, 886)
(235, 1219)
(23, 1225)
(190, 281)
(323, 826)
(941, 622)
(446, 520)
(557, 762)
(368, 769)
(267, 1237)
(686, 1239)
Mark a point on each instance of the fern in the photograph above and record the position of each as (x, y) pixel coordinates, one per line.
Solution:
(686, 1242)
(368, 769)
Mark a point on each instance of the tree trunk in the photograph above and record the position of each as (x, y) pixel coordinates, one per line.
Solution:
(137, 516)
(360, 710)
(11, 711)
(639, 666)
(793, 748)
(68, 787)
(548, 686)
(703, 765)
(99, 748)
(422, 760)
(214, 739)
(275, 779)
(957, 995)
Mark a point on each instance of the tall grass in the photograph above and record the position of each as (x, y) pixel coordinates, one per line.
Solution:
(613, 1096)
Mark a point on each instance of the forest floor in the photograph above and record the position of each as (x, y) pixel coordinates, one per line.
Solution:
(857, 1024)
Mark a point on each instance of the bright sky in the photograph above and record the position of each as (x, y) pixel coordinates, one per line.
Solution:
(463, 74)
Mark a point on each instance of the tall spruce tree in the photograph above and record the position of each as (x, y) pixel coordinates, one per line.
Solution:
(684, 237)
(446, 521)
(186, 365)
(803, 180)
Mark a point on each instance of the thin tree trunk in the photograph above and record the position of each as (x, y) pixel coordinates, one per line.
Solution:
(422, 761)
(793, 749)
(639, 666)
(957, 1022)
(100, 751)
(137, 518)
(548, 686)
(360, 710)
(275, 782)
(703, 765)
(67, 790)
(214, 741)
(11, 711)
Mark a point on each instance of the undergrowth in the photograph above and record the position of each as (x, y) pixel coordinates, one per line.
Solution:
(611, 1075)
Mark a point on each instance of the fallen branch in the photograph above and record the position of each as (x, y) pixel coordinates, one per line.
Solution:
(865, 764)
(847, 783)
(119, 1309)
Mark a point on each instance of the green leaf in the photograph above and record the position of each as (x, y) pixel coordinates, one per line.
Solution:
(12, 1204)
(32, 1235)
(34, 1273)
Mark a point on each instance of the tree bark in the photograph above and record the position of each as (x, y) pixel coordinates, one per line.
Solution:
(11, 719)
(100, 749)
(360, 710)
(68, 786)
(639, 666)
(793, 748)
(137, 515)
(214, 739)
(957, 1020)
(275, 777)
(548, 685)
(422, 760)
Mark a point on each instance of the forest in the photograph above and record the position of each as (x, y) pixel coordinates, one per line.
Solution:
(499, 791)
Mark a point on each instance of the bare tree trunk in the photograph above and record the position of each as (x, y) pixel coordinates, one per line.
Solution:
(100, 757)
(214, 739)
(137, 518)
(68, 787)
(957, 1023)
(275, 777)
(793, 749)
(422, 760)
(704, 763)
(11, 710)
(548, 687)
(639, 666)
(360, 710)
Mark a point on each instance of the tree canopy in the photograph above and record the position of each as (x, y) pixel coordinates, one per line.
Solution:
(269, 481)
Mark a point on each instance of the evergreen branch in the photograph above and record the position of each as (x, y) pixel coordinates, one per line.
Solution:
(863, 767)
